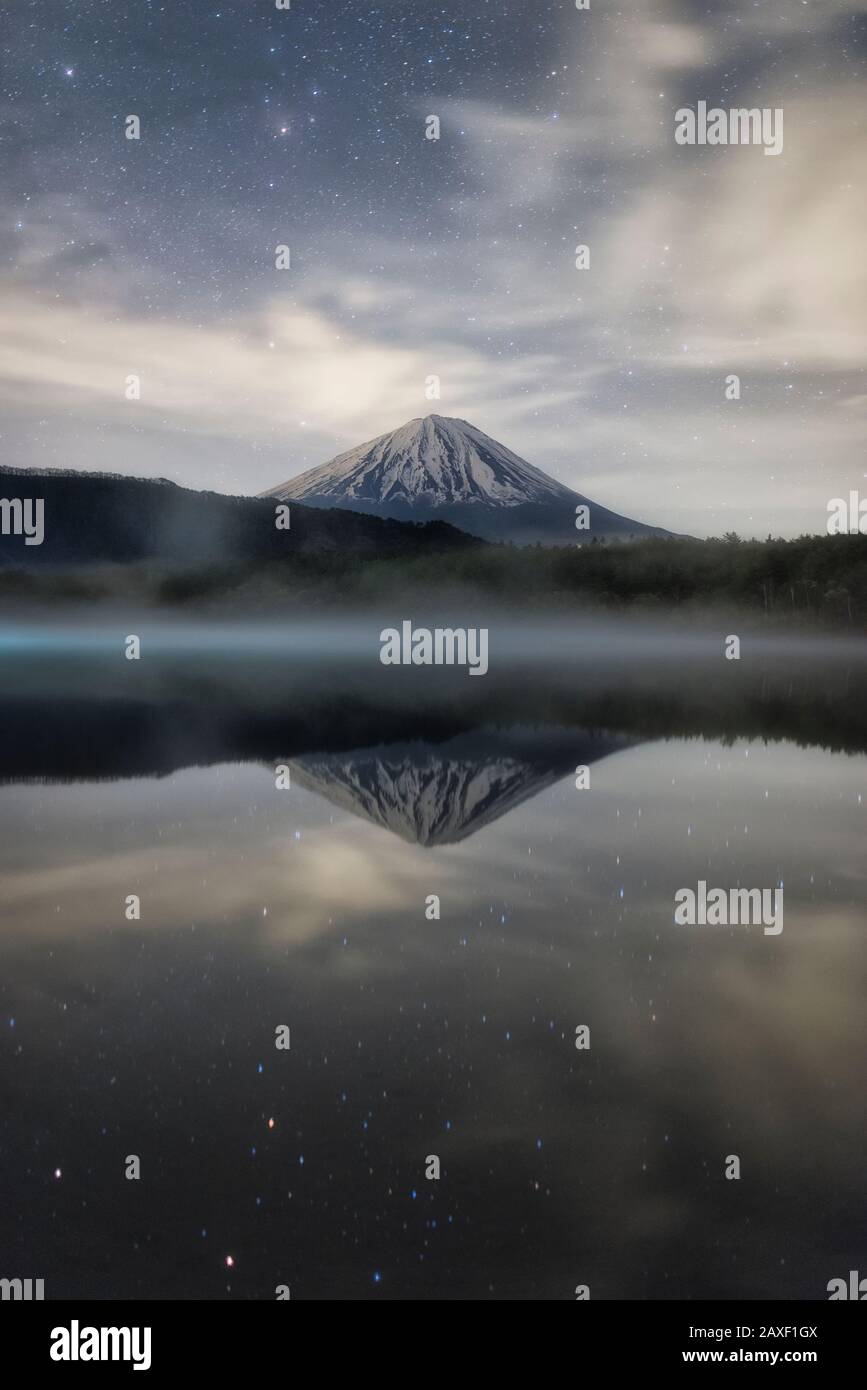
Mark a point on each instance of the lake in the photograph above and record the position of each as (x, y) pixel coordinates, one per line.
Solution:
(308, 907)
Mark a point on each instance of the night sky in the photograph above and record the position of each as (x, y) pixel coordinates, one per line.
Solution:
(411, 257)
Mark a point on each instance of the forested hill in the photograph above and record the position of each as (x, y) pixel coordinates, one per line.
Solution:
(92, 518)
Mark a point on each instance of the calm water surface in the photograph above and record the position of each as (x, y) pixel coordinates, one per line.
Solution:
(412, 1037)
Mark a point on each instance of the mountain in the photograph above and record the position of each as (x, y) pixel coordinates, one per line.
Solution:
(445, 469)
(103, 517)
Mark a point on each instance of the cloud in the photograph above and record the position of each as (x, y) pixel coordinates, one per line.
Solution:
(242, 379)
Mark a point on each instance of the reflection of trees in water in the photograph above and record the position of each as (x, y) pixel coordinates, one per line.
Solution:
(93, 722)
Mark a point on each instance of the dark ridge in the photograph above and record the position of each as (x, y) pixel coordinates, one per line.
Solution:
(102, 518)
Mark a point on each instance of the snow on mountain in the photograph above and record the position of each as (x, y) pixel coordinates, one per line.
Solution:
(435, 461)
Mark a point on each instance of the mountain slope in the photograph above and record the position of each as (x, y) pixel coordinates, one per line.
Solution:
(434, 460)
(446, 469)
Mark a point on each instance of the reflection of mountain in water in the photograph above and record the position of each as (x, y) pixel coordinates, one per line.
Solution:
(422, 755)
(440, 794)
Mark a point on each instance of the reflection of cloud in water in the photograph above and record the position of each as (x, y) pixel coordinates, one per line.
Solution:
(704, 1042)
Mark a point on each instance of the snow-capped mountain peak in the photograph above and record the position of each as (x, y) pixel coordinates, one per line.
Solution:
(432, 460)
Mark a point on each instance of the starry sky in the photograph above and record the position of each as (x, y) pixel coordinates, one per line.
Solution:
(410, 257)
